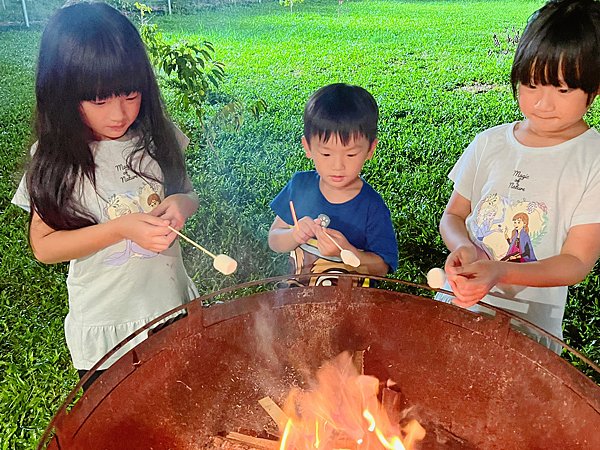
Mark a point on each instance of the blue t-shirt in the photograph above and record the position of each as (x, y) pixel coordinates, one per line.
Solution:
(365, 220)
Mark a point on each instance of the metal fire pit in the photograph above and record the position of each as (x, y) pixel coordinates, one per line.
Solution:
(472, 382)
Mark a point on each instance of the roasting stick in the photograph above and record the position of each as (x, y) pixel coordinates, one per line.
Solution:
(294, 216)
(347, 256)
(212, 255)
(222, 263)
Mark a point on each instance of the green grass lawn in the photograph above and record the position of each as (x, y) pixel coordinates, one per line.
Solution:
(437, 76)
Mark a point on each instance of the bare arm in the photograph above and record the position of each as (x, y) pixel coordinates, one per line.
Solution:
(372, 263)
(455, 235)
(52, 246)
(578, 255)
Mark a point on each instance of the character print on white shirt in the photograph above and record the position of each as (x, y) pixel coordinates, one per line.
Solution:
(509, 230)
(144, 200)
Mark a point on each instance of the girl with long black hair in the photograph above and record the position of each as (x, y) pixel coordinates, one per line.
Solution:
(107, 178)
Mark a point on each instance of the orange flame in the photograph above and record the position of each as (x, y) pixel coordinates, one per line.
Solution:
(343, 413)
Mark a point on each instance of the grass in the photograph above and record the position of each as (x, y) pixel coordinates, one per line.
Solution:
(421, 60)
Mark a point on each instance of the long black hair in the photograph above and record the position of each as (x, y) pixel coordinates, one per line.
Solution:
(89, 52)
(561, 41)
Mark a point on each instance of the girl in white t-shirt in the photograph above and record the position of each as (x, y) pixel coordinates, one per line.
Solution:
(107, 177)
(540, 175)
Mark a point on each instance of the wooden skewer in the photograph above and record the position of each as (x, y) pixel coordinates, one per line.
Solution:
(192, 242)
(333, 240)
(348, 257)
(294, 215)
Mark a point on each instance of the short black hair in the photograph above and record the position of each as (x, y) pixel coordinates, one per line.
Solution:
(346, 111)
(561, 42)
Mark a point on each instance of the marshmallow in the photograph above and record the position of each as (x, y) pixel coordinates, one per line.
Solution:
(225, 264)
(436, 278)
(350, 258)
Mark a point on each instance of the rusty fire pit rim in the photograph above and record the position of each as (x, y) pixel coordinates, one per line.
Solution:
(44, 440)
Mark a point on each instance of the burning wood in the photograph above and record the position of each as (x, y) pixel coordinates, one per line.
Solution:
(343, 412)
(273, 410)
(257, 443)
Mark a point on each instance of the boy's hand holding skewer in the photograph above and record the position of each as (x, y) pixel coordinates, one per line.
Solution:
(303, 230)
(326, 246)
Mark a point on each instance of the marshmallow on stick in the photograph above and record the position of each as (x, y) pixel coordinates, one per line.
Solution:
(223, 263)
(436, 278)
(347, 256)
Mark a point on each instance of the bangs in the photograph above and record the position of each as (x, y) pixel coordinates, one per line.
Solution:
(552, 69)
(345, 132)
(110, 71)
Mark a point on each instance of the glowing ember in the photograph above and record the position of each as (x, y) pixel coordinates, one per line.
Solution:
(342, 413)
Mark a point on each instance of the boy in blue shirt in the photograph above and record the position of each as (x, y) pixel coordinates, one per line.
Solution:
(340, 134)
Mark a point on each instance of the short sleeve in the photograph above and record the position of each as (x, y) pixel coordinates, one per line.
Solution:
(381, 236)
(21, 197)
(280, 205)
(182, 139)
(464, 171)
(587, 211)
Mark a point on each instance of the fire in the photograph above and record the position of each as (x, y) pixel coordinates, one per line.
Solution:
(343, 413)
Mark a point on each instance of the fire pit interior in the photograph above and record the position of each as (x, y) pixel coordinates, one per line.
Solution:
(472, 383)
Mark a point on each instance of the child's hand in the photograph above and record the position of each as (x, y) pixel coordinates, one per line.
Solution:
(149, 232)
(460, 257)
(471, 282)
(176, 209)
(327, 247)
(304, 231)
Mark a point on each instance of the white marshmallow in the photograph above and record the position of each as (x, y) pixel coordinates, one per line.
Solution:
(350, 258)
(436, 278)
(225, 264)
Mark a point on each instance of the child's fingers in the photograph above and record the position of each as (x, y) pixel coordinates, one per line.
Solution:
(460, 257)
(301, 236)
(324, 244)
(464, 303)
(453, 262)
(159, 210)
(152, 220)
(307, 225)
(467, 291)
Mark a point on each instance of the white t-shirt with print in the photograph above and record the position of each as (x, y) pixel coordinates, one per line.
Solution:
(117, 290)
(524, 201)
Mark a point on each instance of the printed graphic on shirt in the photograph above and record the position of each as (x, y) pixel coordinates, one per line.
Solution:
(509, 231)
(144, 200)
(306, 259)
(126, 173)
(518, 178)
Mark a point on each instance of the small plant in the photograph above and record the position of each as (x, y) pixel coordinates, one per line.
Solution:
(190, 70)
(122, 5)
(506, 45)
(290, 3)
(192, 64)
